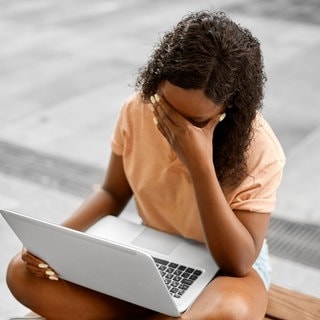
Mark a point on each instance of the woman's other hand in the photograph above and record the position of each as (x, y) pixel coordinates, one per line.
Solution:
(38, 267)
(189, 131)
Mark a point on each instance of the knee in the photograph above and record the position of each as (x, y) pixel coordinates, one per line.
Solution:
(222, 307)
(16, 279)
(13, 271)
(232, 308)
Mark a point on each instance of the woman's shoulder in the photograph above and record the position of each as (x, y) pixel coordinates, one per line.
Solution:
(132, 107)
(133, 101)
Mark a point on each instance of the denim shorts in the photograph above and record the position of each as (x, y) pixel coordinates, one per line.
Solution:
(263, 266)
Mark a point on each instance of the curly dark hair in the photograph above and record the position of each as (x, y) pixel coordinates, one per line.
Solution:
(207, 50)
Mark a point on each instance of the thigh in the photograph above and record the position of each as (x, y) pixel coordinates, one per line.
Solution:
(231, 298)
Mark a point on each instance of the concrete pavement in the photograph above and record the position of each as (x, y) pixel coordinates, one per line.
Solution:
(67, 66)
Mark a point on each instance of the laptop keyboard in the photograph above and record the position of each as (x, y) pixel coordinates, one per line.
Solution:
(178, 278)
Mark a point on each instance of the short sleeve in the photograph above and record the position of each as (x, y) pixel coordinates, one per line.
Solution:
(265, 162)
(257, 193)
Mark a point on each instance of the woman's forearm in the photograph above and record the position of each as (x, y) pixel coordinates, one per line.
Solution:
(98, 205)
(229, 241)
(111, 198)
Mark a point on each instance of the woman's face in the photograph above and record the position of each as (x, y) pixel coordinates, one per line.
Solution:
(192, 104)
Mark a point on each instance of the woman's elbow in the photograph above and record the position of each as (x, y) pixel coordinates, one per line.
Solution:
(235, 268)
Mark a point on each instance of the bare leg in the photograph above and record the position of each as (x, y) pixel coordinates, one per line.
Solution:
(227, 298)
(59, 300)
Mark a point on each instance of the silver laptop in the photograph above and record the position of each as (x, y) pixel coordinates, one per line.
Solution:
(129, 261)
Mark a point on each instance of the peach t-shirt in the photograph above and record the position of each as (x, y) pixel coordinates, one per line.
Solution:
(161, 184)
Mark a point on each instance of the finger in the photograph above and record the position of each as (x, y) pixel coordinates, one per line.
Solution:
(167, 112)
(32, 260)
(163, 122)
(51, 275)
(163, 110)
(160, 117)
(157, 110)
(151, 107)
(38, 267)
(39, 273)
(222, 116)
(215, 121)
(47, 273)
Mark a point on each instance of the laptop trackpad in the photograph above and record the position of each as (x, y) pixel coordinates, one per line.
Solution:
(156, 241)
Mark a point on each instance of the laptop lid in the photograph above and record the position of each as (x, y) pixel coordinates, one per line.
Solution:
(117, 269)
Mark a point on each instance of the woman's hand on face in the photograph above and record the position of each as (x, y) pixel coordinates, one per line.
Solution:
(38, 267)
(190, 140)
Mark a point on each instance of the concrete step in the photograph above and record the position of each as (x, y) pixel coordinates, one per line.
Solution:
(300, 189)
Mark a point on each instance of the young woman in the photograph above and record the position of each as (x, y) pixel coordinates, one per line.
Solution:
(193, 149)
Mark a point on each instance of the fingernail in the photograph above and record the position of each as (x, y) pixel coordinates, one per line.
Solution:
(155, 121)
(50, 273)
(152, 99)
(53, 278)
(150, 106)
(42, 266)
(157, 97)
(223, 115)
